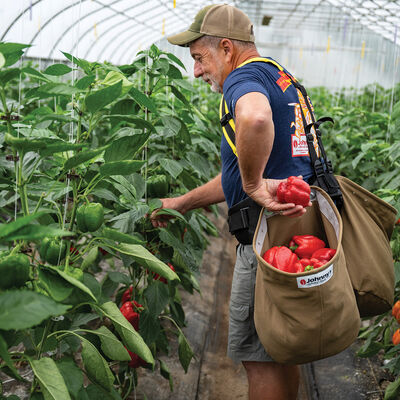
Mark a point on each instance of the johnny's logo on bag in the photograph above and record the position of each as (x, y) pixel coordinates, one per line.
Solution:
(316, 279)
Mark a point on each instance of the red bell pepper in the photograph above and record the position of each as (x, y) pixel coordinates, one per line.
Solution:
(127, 295)
(324, 254)
(317, 263)
(136, 361)
(305, 245)
(161, 278)
(130, 310)
(294, 190)
(282, 258)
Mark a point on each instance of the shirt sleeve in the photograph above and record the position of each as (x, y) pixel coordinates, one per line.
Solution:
(240, 82)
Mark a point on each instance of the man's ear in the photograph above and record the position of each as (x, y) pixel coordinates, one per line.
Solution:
(227, 47)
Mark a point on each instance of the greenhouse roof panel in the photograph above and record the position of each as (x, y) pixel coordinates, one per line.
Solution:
(116, 29)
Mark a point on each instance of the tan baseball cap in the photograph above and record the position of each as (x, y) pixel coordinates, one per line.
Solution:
(221, 20)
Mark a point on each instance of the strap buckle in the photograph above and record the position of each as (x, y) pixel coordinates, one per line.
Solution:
(225, 119)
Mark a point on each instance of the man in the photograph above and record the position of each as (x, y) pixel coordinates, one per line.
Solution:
(262, 102)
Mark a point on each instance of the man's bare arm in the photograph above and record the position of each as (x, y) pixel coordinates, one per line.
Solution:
(202, 196)
(254, 141)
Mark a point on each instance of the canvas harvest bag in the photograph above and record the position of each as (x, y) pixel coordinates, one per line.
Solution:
(311, 315)
(368, 223)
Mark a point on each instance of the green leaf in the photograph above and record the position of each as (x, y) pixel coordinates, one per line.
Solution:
(119, 277)
(57, 69)
(73, 281)
(2, 60)
(172, 123)
(125, 148)
(33, 72)
(185, 352)
(154, 204)
(180, 96)
(57, 89)
(171, 166)
(174, 73)
(11, 227)
(170, 211)
(96, 366)
(111, 346)
(8, 75)
(82, 157)
(85, 82)
(101, 98)
(25, 144)
(157, 296)
(33, 306)
(51, 381)
(37, 232)
(164, 371)
(59, 147)
(113, 77)
(125, 167)
(5, 355)
(185, 84)
(72, 374)
(80, 62)
(140, 123)
(175, 59)
(118, 236)
(143, 256)
(392, 391)
(54, 284)
(142, 99)
(131, 338)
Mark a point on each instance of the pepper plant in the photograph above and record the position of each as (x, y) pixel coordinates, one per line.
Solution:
(87, 150)
(363, 145)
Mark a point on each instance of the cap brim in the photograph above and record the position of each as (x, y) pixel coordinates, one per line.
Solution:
(184, 38)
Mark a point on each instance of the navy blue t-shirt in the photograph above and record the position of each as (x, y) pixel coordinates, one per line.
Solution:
(289, 155)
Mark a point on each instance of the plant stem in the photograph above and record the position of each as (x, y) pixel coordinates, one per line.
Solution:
(22, 187)
(6, 110)
(44, 337)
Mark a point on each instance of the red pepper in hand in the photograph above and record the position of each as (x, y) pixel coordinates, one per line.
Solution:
(282, 258)
(324, 254)
(129, 311)
(305, 245)
(294, 190)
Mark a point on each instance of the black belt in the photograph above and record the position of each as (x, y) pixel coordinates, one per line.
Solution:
(243, 219)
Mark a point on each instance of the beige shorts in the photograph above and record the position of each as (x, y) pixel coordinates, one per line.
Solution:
(243, 341)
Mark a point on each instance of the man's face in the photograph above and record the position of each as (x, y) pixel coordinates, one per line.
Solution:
(208, 64)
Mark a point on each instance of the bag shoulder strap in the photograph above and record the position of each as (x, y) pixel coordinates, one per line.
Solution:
(226, 120)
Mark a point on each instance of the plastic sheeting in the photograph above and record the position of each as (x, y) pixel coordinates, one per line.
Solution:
(353, 42)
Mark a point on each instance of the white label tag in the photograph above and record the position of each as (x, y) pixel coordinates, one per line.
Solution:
(299, 146)
(315, 279)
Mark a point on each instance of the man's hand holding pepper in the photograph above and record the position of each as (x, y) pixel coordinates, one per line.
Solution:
(265, 195)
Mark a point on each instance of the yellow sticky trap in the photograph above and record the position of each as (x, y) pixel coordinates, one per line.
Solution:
(174, 3)
(163, 27)
(328, 46)
(95, 31)
(363, 49)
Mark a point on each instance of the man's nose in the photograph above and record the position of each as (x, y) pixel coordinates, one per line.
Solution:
(198, 71)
